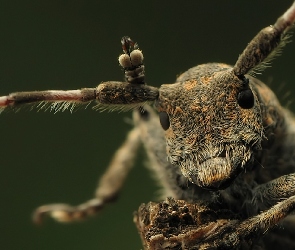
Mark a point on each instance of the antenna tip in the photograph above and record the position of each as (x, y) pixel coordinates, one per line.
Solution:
(136, 57)
(124, 61)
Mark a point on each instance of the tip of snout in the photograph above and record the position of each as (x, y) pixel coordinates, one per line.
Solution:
(218, 185)
(214, 174)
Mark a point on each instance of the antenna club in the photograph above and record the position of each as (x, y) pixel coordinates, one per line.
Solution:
(136, 57)
(124, 61)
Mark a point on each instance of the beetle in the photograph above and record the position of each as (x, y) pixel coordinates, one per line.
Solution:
(213, 141)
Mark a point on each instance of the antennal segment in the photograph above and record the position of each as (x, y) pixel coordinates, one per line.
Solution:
(58, 100)
(265, 45)
(132, 61)
(108, 95)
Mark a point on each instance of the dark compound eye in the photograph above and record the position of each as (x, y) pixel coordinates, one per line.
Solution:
(164, 120)
(246, 99)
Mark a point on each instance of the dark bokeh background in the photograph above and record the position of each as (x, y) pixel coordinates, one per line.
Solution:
(54, 44)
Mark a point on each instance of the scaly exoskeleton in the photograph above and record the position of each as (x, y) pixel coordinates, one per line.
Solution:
(219, 142)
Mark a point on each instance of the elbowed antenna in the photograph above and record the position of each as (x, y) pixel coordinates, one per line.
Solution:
(265, 45)
(109, 95)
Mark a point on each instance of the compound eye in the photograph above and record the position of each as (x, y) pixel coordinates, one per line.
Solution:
(164, 120)
(246, 99)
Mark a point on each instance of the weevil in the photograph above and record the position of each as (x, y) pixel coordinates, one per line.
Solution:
(217, 139)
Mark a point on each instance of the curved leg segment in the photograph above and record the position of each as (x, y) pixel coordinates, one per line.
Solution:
(108, 188)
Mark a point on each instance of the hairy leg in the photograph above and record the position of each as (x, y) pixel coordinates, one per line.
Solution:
(268, 194)
(108, 188)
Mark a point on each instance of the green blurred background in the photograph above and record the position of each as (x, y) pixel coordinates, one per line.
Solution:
(54, 44)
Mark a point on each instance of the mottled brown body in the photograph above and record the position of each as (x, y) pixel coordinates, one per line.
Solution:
(218, 140)
(260, 139)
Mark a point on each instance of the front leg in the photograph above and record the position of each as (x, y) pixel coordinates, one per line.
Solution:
(252, 229)
(107, 191)
(268, 194)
